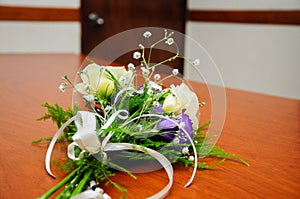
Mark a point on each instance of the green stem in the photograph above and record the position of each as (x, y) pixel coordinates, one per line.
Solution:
(41, 139)
(66, 193)
(167, 60)
(82, 183)
(60, 184)
(239, 159)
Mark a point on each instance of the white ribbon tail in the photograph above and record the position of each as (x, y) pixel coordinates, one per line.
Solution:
(52, 143)
(71, 152)
(158, 156)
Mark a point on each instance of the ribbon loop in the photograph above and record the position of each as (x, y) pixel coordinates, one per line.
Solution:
(87, 139)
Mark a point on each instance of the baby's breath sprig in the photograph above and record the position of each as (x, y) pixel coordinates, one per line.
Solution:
(168, 40)
(67, 84)
(175, 73)
(147, 62)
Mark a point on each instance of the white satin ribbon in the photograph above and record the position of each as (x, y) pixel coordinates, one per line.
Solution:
(52, 143)
(86, 138)
(158, 156)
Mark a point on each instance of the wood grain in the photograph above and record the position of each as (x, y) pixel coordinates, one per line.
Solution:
(262, 129)
(18, 13)
(287, 17)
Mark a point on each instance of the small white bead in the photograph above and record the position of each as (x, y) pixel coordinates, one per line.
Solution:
(99, 190)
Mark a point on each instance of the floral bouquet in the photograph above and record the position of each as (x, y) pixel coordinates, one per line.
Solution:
(131, 121)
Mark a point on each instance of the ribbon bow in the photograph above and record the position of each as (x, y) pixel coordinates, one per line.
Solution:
(86, 138)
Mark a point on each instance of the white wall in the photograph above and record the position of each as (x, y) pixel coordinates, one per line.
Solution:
(259, 58)
(244, 4)
(44, 3)
(40, 37)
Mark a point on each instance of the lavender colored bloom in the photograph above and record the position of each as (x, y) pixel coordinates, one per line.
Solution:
(157, 109)
(170, 128)
(183, 139)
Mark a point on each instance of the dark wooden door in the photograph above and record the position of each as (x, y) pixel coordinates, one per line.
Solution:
(103, 18)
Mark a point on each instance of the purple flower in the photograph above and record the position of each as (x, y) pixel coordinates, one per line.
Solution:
(157, 109)
(170, 128)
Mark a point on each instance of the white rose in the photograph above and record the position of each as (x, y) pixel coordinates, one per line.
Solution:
(182, 98)
(95, 79)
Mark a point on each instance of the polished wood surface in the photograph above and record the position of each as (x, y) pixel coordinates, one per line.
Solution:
(263, 129)
(25, 13)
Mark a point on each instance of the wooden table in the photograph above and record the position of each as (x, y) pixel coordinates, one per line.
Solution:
(263, 129)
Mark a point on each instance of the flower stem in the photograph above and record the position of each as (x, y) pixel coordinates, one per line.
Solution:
(68, 189)
(60, 184)
(82, 183)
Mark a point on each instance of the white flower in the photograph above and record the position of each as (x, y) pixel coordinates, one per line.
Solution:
(176, 140)
(156, 104)
(96, 80)
(156, 77)
(147, 34)
(185, 150)
(182, 98)
(154, 86)
(141, 46)
(126, 78)
(150, 92)
(170, 41)
(191, 158)
(62, 87)
(175, 72)
(171, 104)
(131, 66)
(196, 62)
(145, 71)
(136, 55)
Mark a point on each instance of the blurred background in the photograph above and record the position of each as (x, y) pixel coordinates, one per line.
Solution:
(255, 44)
